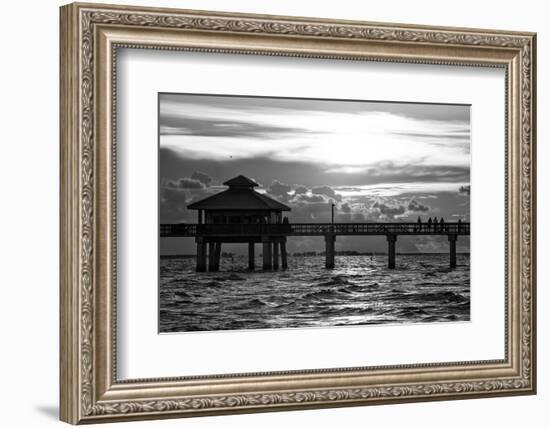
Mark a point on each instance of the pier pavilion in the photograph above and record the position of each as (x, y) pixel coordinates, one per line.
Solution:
(230, 216)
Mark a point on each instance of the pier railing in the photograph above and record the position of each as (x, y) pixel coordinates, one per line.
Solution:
(380, 228)
(178, 229)
(314, 229)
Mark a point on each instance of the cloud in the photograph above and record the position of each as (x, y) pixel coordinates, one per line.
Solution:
(300, 190)
(359, 217)
(310, 199)
(310, 211)
(203, 178)
(357, 211)
(185, 183)
(416, 172)
(285, 106)
(345, 208)
(416, 206)
(279, 189)
(465, 190)
(393, 172)
(176, 194)
(173, 205)
(182, 124)
(326, 190)
(307, 207)
(456, 138)
(396, 208)
(462, 133)
(388, 210)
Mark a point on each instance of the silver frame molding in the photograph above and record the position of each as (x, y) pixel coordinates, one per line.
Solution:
(90, 37)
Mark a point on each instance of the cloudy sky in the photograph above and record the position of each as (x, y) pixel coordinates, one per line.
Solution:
(377, 161)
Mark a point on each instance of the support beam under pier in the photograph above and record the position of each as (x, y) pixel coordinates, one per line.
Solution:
(211, 256)
(283, 255)
(391, 250)
(266, 255)
(217, 256)
(330, 239)
(276, 255)
(452, 250)
(251, 257)
(201, 254)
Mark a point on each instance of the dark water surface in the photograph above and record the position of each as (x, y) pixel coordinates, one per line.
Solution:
(361, 290)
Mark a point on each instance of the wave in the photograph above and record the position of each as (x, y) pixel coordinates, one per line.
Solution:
(336, 292)
(363, 288)
(410, 311)
(252, 304)
(230, 277)
(423, 297)
(336, 280)
(321, 294)
(213, 284)
(181, 293)
(355, 311)
(446, 296)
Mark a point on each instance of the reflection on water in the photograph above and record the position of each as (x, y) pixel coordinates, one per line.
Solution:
(361, 290)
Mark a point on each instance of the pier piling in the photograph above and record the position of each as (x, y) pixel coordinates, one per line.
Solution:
(283, 255)
(330, 239)
(452, 250)
(391, 250)
(251, 260)
(217, 256)
(275, 255)
(201, 254)
(267, 255)
(211, 256)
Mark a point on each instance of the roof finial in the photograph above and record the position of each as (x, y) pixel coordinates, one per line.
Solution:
(241, 182)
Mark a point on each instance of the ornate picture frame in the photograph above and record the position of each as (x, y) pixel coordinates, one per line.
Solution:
(90, 37)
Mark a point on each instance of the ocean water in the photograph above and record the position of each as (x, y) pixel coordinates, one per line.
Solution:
(360, 290)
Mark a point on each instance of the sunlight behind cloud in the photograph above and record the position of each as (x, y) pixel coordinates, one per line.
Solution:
(343, 142)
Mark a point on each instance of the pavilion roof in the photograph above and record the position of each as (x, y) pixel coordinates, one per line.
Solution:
(240, 196)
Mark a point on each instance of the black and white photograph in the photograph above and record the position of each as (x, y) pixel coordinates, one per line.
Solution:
(299, 213)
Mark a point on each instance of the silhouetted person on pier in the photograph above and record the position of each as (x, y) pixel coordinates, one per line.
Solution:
(442, 224)
(419, 224)
(429, 224)
(459, 225)
(436, 221)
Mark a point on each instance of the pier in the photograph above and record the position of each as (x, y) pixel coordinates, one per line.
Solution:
(273, 238)
(239, 214)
